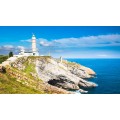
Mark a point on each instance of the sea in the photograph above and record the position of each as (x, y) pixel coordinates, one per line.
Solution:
(107, 75)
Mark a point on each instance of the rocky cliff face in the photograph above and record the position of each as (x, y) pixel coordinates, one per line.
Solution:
(66, 75)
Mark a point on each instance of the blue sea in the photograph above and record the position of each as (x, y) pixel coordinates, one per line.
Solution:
(108, 74)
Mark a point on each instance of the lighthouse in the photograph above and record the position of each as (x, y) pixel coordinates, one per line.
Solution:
(34, 48)
(31, 52)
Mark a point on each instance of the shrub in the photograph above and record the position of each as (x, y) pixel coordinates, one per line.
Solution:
(10, 54)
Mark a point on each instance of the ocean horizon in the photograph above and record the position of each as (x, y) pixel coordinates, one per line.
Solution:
(107, 74)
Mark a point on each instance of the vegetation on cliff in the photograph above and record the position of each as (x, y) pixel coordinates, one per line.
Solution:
(9, 85)
(21, 78)
(44, 74)
(3, 58)
(10, 54)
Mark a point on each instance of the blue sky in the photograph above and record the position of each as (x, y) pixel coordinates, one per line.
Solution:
(69, 42)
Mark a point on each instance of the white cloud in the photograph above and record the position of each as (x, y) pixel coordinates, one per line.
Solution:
(44, 42)
(103, 55)
(28, 40)
(89, 41)
(11, 47)
(7, 47)
(20, 47)
(71, 45)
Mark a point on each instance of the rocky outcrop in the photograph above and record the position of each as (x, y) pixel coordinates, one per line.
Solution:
(66, 75)
(63, 82)
(31, 82)
(2, 69)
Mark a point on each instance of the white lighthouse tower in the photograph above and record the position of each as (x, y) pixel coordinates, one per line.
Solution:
(33, 52)
(34, 48)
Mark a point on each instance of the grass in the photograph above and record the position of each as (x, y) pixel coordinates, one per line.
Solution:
(29, 68)
(14, 81)
(34, 57)
(11, 86)
(3, 58)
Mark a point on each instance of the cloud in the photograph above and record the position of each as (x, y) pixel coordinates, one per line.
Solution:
(117, 41)
(6, 47)
(28, 40)
(11, 48)
(20, 47)
(89, 41)
(104, 43)
(44, 42)
(103, 55)
(41, 41)
(73, 46)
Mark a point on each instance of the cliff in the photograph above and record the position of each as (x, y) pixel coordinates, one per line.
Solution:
(49, 75)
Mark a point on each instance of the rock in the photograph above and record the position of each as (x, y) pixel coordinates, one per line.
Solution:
(63, 82)
(80, 73)
(66, 75)
(82, 91)
(2, 69)
(86, 84)
(88, 70)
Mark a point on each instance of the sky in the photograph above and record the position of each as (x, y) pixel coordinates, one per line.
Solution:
(65, 41)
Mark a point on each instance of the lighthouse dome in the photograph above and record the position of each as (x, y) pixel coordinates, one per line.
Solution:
(33, 36)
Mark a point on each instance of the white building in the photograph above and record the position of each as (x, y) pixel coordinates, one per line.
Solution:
(32, 52)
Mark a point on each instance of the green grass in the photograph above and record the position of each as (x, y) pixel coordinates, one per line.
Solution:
(3, 58)
(29, 68)
(11, 86)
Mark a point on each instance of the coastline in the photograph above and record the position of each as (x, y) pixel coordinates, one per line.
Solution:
(65, 75)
